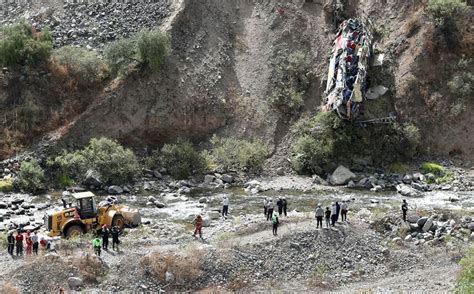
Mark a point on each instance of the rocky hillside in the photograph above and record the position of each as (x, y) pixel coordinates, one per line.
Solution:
(227, 64)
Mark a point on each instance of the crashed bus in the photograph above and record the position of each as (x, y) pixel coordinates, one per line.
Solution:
(347, 75)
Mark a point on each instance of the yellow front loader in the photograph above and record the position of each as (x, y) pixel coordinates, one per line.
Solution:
(86, 217)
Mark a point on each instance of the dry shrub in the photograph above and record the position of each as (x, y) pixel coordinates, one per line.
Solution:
(8, 288)
(90, 267)
(412, 26)
(185, 267)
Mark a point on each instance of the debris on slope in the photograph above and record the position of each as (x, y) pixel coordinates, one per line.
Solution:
(346, 85)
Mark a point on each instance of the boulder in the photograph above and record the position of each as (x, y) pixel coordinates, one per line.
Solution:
(280, 171)
(428, 224)
(454, 198)
(157, 175)
(160, 205)
(151, 199)
(146, 186)
(407, 179)
(318, 180)
(418, 186)
(74, 283)
(351, 184)
(408, 191)
(92, 178)
(421, 221)
(3, 205)
(208, 179)
(18, 201)
(227, 179)
(203, 200)
(413, 218)
(341, 176)
(397, 240)
(408, 238)
(376, 189)
(470, 226)
(206, 221)
(115, 190)
(214, 215)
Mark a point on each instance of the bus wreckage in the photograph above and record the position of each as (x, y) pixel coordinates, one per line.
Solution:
(347, 76)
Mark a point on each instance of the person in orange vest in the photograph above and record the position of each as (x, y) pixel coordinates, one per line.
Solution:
(29, 244)
(198, 226)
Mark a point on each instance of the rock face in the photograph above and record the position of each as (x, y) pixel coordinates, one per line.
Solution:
(341, 176)
(428, 224)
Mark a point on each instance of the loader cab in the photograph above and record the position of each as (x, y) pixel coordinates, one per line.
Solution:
(85, 204)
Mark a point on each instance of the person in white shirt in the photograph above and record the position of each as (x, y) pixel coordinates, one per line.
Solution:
(265, 206)
(319, 216)
(344, 209)
(270, 209)
(225, 206)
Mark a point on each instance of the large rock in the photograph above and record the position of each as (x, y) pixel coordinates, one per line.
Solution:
(74, 283)
(421, 222)
(413, 218)
(428, 224)
(208, 179)
(159, 204)
(3, 205)
(227, 179)
(206, 221)
(92, 178)
(115, 190)
(214, 215)
(470, 226)
(408, 191)
(341, 176)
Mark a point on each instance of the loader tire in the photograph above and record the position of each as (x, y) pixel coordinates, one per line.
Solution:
(74, 231)
(118, 221)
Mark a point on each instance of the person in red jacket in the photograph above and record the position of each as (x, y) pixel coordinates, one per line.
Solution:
(198, 226)
(19, 243)
(29, 244)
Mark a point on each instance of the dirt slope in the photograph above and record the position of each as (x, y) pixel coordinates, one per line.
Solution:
(226, 56)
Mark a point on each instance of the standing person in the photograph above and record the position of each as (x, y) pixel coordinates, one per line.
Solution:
(333, 214)
(19, 243)
(105, 237)
(319, 216)
(29, 244)
(285, 206)
(11, 242)
(270, 209)
(338, 211)
(97, 243)
(404, 210)
(225, 206)
(265, 206)
(34, 240)
(115, 237)
(198, 226)
(280, 206)
(344, 209)
(328, 217)
(275, 222)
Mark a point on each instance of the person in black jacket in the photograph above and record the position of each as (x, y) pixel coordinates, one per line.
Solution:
(327, 214)
(105, 237)
(115, 237)
(285, 206)
(11, 242)
(338, 211)
(280, 206)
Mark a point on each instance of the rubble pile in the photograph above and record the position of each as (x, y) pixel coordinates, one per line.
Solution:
(90, 25)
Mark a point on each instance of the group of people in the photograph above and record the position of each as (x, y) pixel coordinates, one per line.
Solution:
(103, 243)
(268, 207)
(331, 215)
(31, 240)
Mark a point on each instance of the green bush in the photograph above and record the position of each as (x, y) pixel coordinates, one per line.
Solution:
(21, 44)
(466, 277)
(31, 177)
(239, 154)
(430, 167)
(114, 163)
(324, 140)
(146, 48)
(180, 159)
(6, 185)
(81, 63)
(462, 84)
(290, 82)
(121, 56)
(444, 11)
(153, 48)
